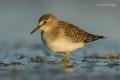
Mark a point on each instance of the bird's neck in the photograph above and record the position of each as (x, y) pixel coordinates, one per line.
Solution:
(51, 34)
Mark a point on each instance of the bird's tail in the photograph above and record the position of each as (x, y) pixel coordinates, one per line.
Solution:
(94, 37)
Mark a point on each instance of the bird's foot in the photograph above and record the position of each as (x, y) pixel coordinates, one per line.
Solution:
(64, 61)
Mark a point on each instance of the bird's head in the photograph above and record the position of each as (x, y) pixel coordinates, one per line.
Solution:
(46, 22)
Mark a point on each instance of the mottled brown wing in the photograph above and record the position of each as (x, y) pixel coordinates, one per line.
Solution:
(75, 34)
(78, 35)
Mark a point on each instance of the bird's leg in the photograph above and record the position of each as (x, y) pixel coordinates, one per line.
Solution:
(66, 59)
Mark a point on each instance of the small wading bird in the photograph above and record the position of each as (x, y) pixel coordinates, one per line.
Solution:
(61, 36)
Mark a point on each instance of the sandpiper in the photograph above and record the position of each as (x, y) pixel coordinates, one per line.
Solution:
(61, 36)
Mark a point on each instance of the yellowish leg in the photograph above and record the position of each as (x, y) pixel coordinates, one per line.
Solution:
(66, 58)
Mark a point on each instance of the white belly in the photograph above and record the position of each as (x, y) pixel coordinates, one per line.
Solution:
(63, 45)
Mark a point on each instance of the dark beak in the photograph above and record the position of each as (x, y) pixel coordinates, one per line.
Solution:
(35, 30)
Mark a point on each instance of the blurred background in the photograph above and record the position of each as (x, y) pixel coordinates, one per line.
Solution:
(19, 17)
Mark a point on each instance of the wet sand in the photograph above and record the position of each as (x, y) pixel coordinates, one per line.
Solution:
(20, 62)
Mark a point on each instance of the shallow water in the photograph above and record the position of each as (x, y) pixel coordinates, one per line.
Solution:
(27, 62)
(24, 57)
(88, 70)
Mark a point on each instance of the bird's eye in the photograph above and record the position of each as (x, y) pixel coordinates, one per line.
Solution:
(45, 22)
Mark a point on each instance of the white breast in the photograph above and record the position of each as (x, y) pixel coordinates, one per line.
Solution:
(63, 45)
